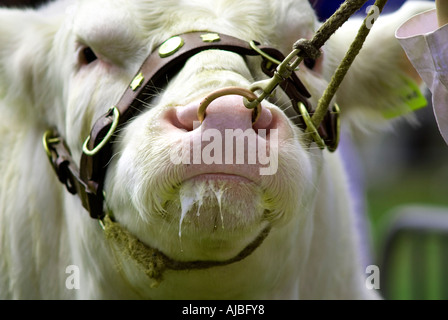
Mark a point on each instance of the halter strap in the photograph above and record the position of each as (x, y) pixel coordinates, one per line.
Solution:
(168, 58)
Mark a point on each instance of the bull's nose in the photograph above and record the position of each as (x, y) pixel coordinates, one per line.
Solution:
(226, 112)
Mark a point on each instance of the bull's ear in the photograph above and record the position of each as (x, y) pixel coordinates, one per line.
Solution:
(381, 83)
(26, 38)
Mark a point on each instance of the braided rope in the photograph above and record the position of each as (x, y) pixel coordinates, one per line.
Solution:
(344, 12)
(154, 262)
(322, 35)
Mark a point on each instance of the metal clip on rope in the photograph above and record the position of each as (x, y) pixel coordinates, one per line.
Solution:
(283, 71)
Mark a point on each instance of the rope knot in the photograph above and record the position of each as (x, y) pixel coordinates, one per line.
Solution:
(307, 48)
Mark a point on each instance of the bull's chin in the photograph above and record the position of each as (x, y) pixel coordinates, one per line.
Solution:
(212, 202)
(217, 216)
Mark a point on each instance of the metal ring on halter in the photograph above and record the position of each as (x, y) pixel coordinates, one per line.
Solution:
(249, 95)
(49, 139)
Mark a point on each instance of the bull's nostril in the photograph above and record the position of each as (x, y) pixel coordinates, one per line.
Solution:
(180, 118)
(183, 117)
(265, 121)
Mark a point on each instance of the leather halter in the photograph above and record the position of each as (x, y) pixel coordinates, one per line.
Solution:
(88, 180)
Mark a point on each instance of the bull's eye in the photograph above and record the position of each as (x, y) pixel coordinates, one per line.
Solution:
(309, 63)
(88, 56)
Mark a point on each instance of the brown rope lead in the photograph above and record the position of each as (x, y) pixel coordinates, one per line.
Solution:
(305, 48)
(346, 62)
(345, 11)
(311, 49)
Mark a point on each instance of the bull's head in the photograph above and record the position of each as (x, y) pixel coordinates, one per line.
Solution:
(200, 191)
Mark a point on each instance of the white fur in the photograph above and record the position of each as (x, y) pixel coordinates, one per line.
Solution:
(312, 250)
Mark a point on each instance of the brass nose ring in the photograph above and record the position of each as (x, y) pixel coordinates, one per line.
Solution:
(249, 95)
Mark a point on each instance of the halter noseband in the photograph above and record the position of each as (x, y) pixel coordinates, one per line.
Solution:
(88, 180)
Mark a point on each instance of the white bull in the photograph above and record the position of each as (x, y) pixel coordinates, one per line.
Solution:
(64, 65)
